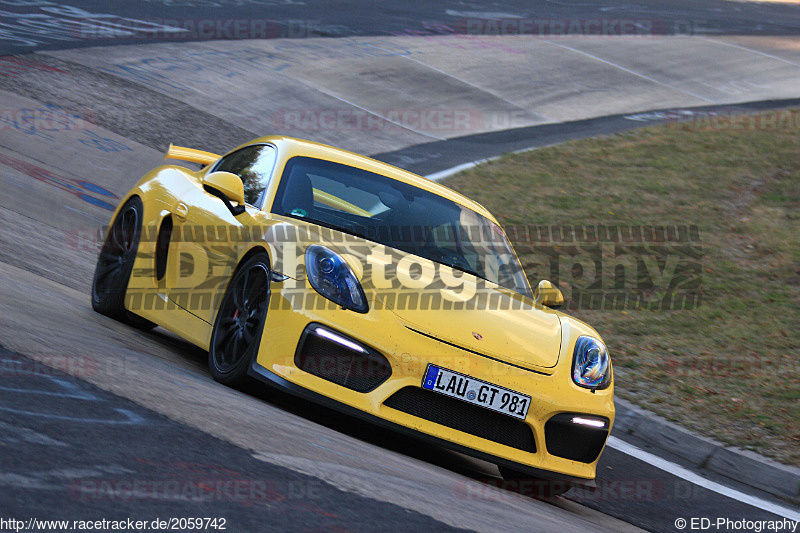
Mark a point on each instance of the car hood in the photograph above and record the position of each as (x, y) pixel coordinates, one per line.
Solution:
(479, 316)
(509, 328)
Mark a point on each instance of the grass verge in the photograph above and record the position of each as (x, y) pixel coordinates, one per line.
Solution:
(728, 367)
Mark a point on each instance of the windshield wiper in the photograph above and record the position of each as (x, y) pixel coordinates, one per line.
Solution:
(463, 269)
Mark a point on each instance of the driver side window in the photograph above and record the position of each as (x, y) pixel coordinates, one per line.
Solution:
(253, 164)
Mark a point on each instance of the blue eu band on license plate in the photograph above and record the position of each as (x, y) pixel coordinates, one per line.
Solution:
(476, 391)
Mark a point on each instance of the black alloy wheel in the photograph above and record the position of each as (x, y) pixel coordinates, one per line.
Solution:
(115, 265)
(239, 323)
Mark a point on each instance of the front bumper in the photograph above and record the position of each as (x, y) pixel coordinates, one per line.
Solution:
(407, 352)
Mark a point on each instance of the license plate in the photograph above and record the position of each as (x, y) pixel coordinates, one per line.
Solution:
(476, 391)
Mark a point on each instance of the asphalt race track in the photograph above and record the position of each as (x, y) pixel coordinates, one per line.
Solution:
(100, 421)
(169, 468)
(346, 18)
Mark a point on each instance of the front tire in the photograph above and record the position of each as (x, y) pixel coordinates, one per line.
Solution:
(115, 265)
(240, 323)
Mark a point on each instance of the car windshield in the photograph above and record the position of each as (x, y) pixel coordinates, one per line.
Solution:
(398, 215)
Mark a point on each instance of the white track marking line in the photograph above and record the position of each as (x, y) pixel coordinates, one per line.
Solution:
(436, 176)
(688, 475)
(442, 174)
(752, 51)
(629, 71)
(373, 113)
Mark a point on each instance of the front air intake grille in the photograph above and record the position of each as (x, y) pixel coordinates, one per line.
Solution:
(463, 416)
(332, 361)
(566, 439)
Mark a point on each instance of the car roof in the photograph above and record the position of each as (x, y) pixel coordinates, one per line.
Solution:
(291, 147)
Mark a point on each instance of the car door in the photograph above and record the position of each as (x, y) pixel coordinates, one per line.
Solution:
(209, 236)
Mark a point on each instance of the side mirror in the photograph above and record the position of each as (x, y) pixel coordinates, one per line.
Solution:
(548, 295)
(227, 187)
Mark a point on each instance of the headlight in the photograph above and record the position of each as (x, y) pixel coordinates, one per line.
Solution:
(331, 276)
(591, 366)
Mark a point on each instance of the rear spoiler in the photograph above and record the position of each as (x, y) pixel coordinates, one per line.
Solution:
(190, 154)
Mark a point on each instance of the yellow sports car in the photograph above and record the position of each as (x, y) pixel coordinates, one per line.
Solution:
(366, 288)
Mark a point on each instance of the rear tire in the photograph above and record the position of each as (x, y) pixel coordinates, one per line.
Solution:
(543, 489)
(240, 323)
(115, 265)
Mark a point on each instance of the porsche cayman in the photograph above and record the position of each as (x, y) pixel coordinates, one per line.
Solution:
(366, 288)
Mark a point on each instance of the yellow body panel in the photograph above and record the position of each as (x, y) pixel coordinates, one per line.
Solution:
(409, 354)
(527, 351)
(190, 154)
